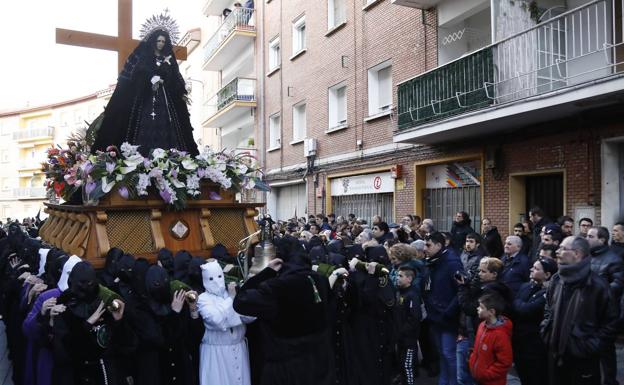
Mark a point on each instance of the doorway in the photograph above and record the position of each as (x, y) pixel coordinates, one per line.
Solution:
(546, 192)
(543, 189)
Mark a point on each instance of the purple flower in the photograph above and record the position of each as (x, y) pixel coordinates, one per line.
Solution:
(110, 167)
(165, 195)
(87, 167)
(123, 192)
(146, 162)
(89, 187)
(201, 172)
(213, 195)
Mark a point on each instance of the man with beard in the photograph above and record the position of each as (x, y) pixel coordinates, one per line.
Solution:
(290, 303)
(87, 335)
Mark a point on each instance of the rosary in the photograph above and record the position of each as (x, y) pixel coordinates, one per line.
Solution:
(155, 80)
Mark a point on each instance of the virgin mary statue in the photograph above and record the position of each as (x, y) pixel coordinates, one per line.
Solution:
(149, 105)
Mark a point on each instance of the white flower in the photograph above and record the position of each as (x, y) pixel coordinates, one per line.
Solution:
(106, 187)
(189, 164)
(158, 153)
(128, 150)
(143, 183)
(242, 168)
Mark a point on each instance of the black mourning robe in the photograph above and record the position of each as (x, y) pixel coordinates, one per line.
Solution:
(292, 326)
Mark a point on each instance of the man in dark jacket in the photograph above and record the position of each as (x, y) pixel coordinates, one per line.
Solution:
(441, 303)
(579, 318)
(291, 304)
(459, 230)
(539, 220)
(381, 232)
(492, 242)
(516, 270)
(472, 254)
(617, 244)
(609, 266)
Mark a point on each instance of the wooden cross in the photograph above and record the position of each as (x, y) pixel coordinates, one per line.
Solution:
(123, 43)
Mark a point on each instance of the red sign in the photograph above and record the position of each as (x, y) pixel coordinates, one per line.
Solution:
(377, 183)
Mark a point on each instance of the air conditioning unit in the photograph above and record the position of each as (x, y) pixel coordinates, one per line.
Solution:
(309, 147)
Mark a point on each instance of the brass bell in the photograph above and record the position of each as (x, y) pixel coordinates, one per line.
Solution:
(191, 297)
(115, 305)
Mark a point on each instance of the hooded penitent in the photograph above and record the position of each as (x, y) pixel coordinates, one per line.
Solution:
(157, 285)
(43, 258)
(180, 265)
(214, 279)
(125, 268)
(83, 290)
(165, 258)
(67, 268)
(54, 267)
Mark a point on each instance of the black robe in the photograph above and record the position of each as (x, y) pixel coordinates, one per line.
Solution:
(293, 326)
(138, 114)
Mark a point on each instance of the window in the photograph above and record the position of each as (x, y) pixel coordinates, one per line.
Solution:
(298, 29)
(274, 131)
(338, 106)
(274, 53)
(380, 88)
(299, 122)
(335, 13)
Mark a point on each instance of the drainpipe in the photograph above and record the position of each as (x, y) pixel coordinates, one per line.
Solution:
(259, 61)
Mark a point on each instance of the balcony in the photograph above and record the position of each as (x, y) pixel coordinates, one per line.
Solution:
(30, 193)
(540, 74)
(34, 134)
(230, 104)
(234, 36)
(420, 4)
(215, 7)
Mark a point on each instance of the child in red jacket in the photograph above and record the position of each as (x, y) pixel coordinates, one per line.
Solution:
(491, 357)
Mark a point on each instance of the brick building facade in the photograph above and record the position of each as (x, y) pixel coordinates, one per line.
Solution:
(554, 142)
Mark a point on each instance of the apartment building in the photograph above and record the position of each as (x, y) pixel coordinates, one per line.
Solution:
(527, 92)
(327, 75)
(429, 107)
(25, 136)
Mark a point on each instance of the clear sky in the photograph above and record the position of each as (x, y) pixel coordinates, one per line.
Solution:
(37, 71)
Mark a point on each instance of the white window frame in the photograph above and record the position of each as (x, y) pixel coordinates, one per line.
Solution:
(275, 128)
(335, 121)
(298, 35)
(299, 122)
(380, 90)
(336, 13)
(275, 59)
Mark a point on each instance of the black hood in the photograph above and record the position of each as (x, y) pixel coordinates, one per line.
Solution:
(165, 257)
(181, 264)
(54, 267)
(83, 290)
(195, 274)
(112, 258)
(290, 250)
(28, 251)
(377, 254)
(125, 268)
(318, 254)
(157, 284)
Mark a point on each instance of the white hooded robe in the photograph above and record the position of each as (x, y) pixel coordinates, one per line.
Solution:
(224, 357)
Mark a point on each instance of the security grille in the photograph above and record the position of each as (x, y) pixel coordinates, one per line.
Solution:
(441, 205)
(365, 206)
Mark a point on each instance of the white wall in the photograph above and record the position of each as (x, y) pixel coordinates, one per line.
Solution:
(611, 209)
